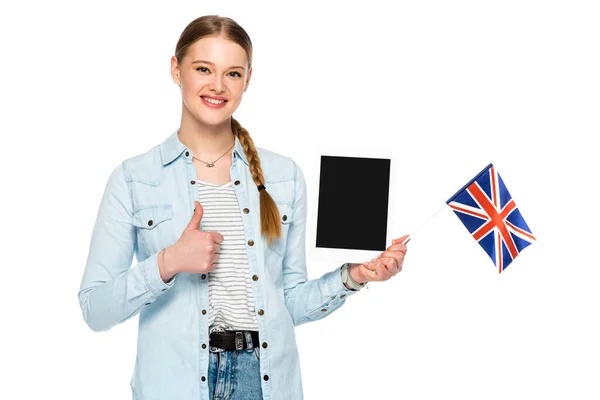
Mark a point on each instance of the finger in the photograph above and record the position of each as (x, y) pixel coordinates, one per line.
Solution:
(375, 272)
(398, 247)
(381, 271)
(217, 237)
(400, 239)
(366, 272)
(373, 275)
(391, 265)
(396, 255)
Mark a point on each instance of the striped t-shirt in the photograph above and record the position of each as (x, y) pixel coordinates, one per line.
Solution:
(231, 303)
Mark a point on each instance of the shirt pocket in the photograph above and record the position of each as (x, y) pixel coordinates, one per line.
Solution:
(154, 227)
(286, 216)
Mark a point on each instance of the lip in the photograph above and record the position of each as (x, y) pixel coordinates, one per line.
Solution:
(210, 105)
(214, 97)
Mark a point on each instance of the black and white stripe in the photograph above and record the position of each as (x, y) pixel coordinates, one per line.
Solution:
(231, 303)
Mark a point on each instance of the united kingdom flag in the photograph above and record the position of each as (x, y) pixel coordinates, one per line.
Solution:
(490, 214)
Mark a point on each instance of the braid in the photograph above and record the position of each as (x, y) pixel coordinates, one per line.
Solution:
(270, 224)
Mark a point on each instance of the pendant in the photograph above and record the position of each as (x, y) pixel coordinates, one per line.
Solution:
(210, 165)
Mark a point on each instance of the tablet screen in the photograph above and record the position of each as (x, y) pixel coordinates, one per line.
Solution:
(352, 209)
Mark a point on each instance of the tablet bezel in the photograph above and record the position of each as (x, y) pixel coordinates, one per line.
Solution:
(347, 255)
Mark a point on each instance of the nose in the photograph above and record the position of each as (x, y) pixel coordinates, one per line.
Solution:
(217, 84)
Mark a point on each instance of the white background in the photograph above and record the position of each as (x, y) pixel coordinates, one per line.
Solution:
(450, 86)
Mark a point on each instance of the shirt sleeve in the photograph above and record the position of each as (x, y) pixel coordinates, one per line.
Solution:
(307, 300)
(112, 291)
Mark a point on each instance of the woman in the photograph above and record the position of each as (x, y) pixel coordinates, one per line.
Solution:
(219, 227)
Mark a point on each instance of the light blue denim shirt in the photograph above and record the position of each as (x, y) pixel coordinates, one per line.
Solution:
(147, 203)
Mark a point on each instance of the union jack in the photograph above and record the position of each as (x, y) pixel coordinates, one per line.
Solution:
(489, 213)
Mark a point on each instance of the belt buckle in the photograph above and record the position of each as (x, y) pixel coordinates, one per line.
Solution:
(214, 349)
(239, 340)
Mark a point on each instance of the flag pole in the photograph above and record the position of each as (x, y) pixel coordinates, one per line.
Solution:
(424, 223)
(448, 202)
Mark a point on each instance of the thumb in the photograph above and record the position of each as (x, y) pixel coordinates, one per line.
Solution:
(194, 224)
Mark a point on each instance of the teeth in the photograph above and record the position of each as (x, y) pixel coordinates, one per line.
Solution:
(212, 101)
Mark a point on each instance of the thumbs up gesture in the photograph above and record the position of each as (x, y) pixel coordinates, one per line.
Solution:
(195, 251)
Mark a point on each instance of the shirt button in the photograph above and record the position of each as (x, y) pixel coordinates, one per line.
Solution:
(284, 217)
(203, 379)
(251, 242)
(254, 277)
(266, 377)
(236, 182)
(150, 223)
(342, 296)
(203, 312)
(164, 289)
(323, 309)
(246, 211)
(203, 276)
(203, 345)
(147, 304)
(264, 345)
(193, 182)
(187, 153)
(260, 312)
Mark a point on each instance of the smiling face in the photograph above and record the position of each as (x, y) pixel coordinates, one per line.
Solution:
(213, 77)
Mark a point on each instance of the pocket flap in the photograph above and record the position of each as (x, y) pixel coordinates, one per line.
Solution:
(147, 217)
(286, 213)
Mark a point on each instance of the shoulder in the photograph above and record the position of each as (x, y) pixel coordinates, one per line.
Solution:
(276, 167)
(145, 167)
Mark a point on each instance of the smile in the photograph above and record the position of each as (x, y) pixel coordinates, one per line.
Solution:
(212, 102)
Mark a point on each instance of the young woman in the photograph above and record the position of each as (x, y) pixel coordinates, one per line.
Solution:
(219, 227)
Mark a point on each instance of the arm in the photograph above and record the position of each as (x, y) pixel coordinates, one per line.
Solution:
(111, 292)
(307, 300)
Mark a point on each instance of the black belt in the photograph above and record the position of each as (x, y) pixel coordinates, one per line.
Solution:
(232, 340)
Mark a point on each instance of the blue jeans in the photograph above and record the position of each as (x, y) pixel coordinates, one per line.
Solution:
(235, 374)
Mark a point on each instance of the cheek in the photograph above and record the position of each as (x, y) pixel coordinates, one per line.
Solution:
(195, 86)
(191, 82)
(236, 95)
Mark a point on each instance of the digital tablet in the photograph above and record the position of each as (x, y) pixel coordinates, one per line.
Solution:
(351, 207)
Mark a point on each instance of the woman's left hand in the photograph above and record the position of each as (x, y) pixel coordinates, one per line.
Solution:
(384, 266)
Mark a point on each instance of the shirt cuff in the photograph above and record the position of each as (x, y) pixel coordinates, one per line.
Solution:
(335, 284)
(152, 275)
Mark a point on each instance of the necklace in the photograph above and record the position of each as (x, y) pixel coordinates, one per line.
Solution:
(212, 164)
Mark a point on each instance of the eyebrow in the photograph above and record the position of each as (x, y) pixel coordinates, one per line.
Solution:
(211, 63)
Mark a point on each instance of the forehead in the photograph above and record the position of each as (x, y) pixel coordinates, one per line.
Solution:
(224, 53)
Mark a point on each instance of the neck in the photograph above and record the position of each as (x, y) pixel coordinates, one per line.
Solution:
(207, 142)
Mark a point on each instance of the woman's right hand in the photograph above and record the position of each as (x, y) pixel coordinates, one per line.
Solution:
(195, 251)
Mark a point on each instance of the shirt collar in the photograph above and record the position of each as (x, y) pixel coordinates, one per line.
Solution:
(172, 148)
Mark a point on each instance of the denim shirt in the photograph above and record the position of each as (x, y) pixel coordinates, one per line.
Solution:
(147, 203)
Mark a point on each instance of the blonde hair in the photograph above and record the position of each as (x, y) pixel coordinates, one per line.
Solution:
(214, 25)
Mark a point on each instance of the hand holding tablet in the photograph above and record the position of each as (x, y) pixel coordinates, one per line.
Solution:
(384, 266)
(353, 216)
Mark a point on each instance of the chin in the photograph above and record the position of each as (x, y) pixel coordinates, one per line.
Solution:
(213, 120)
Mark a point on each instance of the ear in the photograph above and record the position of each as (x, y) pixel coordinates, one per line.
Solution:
(175, 71)
(248, 79)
